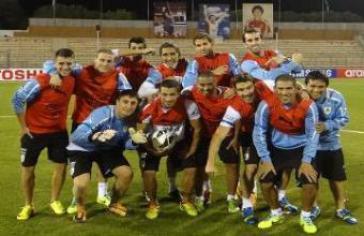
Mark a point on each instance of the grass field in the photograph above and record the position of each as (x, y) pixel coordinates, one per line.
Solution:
(214, 221)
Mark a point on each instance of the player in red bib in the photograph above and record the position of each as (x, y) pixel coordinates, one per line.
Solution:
(133, 65)
(285, 138)
(222, 65)
(43, 125)
(96, 85)
(242, 109)
(172, 66)
(212, 105)
(171, 120)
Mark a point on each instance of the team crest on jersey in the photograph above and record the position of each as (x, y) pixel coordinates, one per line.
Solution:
(327, 110)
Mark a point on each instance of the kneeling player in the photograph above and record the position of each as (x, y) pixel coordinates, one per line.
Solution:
(286, 125)
(168, 116)
(43, 125)
(330, 160)
(101, 138)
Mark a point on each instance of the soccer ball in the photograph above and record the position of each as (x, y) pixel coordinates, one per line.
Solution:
(163, 140)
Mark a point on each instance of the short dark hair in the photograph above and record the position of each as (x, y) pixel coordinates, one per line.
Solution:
(205, 74)
(137, 40)
(64, 52)
(170, 83)
(250, 31)
(316, 75)
(169, 45)
(127, 92)
(105, 50)
(202, 36)
(243, 78)
(285, 77)
(258, 7)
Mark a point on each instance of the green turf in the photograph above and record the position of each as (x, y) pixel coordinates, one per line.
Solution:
(214, 221)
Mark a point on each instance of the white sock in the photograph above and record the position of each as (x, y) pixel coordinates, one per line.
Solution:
(201, 198)
(255, 189)
(207, 186)
(172, 184)
(73, 196)
(338, 210)
(281, 194)
(230, 197)
(102, 189)
(247, 203)
(305, 214)
(315, 204)
(276, 212)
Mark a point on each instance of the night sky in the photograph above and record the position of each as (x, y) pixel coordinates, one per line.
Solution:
(356, 6)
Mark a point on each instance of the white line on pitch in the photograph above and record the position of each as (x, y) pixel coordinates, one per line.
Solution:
(353, 131)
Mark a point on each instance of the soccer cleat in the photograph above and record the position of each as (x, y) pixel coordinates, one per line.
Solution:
(315, 212)
(72, 208)
(25, 213)
(104, 200)
(345, 215)
(307, 225)
(199, 204)
(81, 215)
(175, 195)
(57, 208)
(152, 211)
(288, 207)
(118, 209)
(233, 206)
(268, 222)
(248, 216)
(189, 208)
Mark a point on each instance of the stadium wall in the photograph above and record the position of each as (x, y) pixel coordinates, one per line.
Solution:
(125, 29)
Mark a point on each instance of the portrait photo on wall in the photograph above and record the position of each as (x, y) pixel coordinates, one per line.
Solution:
(214, 19)
(260, 17)
(170, 19)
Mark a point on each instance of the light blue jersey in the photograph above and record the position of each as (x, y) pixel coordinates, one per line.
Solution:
(263, 130)
(101, 119)
(333, 112)
(27, 93)
(253, 69)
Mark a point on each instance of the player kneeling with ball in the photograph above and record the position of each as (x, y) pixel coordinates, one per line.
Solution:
(102, 138)
(173, 125)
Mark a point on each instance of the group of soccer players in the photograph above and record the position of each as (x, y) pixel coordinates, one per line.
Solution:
(189, 112)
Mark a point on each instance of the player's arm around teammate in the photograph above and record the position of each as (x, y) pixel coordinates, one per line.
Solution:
(43, 125)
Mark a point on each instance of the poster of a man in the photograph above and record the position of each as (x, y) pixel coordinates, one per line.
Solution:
(259, 17)
(170, 19)
(215, 20)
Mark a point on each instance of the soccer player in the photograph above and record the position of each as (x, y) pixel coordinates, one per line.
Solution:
(101, 138)
(269, 60)
(178, 119)
(96, 85)
(133, 66)
(173, 66)
(42, 114)
(333, 116)
(242, 108)
(285, 138)
(222, 65)
(212, 106)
